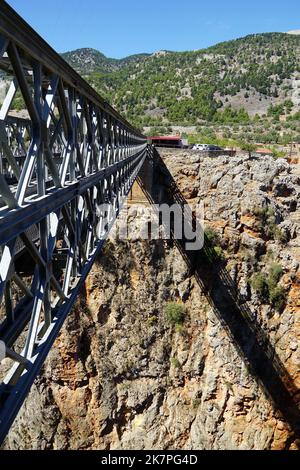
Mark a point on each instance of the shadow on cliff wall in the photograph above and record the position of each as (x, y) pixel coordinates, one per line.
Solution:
(233, 312)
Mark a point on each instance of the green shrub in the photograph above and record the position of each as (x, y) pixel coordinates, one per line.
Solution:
(259, 284)
(214, 251)
(248, 256)
(211, 236)
(174, 313)
(267, 224)
(269, 256)
(18, 103)
(248, 147)
(267, 286)
(273, 232)
(175, 363)
(196, 403)
(277, 298)
(264, 213)
(275, 274)
(278, 153)
(280, 236)
(219, 253)
(180, 329)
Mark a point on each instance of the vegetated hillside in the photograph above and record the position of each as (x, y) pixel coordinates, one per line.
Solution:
(246, 75)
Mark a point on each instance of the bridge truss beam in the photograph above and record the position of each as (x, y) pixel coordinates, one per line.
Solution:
(66, 168)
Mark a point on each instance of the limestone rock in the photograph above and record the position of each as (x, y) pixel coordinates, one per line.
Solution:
(120, 376)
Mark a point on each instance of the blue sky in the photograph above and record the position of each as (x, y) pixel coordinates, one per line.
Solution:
(122, 27)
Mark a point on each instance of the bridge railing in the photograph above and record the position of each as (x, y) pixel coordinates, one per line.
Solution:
(66, 166)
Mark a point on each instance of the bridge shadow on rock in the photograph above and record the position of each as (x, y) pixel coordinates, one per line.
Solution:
(232, 310)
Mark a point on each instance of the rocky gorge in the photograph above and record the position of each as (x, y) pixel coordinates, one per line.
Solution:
(121, 376)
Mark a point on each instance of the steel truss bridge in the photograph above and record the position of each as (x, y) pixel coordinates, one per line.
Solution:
(68, 156)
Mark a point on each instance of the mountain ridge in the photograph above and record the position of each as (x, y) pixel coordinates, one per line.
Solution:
(87, 60)
(70, 56)
(248, 75)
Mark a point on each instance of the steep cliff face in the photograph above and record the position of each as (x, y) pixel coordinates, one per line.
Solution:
(121, 377)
